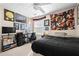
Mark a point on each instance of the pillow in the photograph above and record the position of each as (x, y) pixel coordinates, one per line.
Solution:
(61, 34)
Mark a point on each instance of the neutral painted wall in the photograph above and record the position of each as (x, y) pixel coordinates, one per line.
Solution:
(14, 9)
(39, 26)
(4, 23)
(73, 32)
(29, 25)
(77, 25)
(69, 32)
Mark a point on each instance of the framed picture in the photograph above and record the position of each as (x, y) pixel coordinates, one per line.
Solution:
(46, 28)
(63, 21)
(22, 26)
(8, 15)
(46, 22)
(19, 18)
(16, 25)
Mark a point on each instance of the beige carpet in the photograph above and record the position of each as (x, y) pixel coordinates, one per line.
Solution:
(18, 51)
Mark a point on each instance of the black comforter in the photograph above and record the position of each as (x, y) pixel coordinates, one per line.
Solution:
(57, 46)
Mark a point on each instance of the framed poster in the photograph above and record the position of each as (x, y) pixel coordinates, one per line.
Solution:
(16, 25)
(22, 26)
(8, 15)
(19, 18)
(46, 22)
(46, 28)
(63, 21)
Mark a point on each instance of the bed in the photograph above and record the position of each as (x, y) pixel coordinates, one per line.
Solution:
(56, 46)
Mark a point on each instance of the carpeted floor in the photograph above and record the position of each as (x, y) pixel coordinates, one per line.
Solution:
(24, 50)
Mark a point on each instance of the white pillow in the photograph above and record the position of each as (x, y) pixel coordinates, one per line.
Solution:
(62, 34)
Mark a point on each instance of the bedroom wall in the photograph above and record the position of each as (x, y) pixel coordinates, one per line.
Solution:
(69, 32)
(61, 32)
(29, 25)
(9, 23)
(39, 26)
(77, 25)
(1, 19)
(3, 23)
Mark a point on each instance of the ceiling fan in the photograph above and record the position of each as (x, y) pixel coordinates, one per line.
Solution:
(37, 6)
(41, 4)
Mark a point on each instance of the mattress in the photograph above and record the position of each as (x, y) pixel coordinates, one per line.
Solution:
(57, 46)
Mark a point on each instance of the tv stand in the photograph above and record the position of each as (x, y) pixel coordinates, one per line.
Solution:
(8, 42)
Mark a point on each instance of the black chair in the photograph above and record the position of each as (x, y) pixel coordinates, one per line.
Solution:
(32, 37)
(20, 38)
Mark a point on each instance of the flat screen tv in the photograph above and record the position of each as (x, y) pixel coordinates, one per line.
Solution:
(8, 30)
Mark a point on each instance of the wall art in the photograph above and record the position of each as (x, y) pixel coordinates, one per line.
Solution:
(63, 21)
(8, 15)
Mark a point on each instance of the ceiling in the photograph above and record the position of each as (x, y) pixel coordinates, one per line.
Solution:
(32, 9)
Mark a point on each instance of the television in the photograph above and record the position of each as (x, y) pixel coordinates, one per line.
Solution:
(8, 30)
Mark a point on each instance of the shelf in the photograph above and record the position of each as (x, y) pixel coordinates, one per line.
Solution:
(8, 42)
(8, 47)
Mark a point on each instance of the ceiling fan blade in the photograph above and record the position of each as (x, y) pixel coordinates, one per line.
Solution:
(38, 8)
(41, 4)
(41, 10)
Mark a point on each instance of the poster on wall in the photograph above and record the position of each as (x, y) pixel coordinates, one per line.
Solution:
(8, 15)
(46, 22)
(22, 26)
(19, 18)
(46, 28)
(63, 21)
(16, 25)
